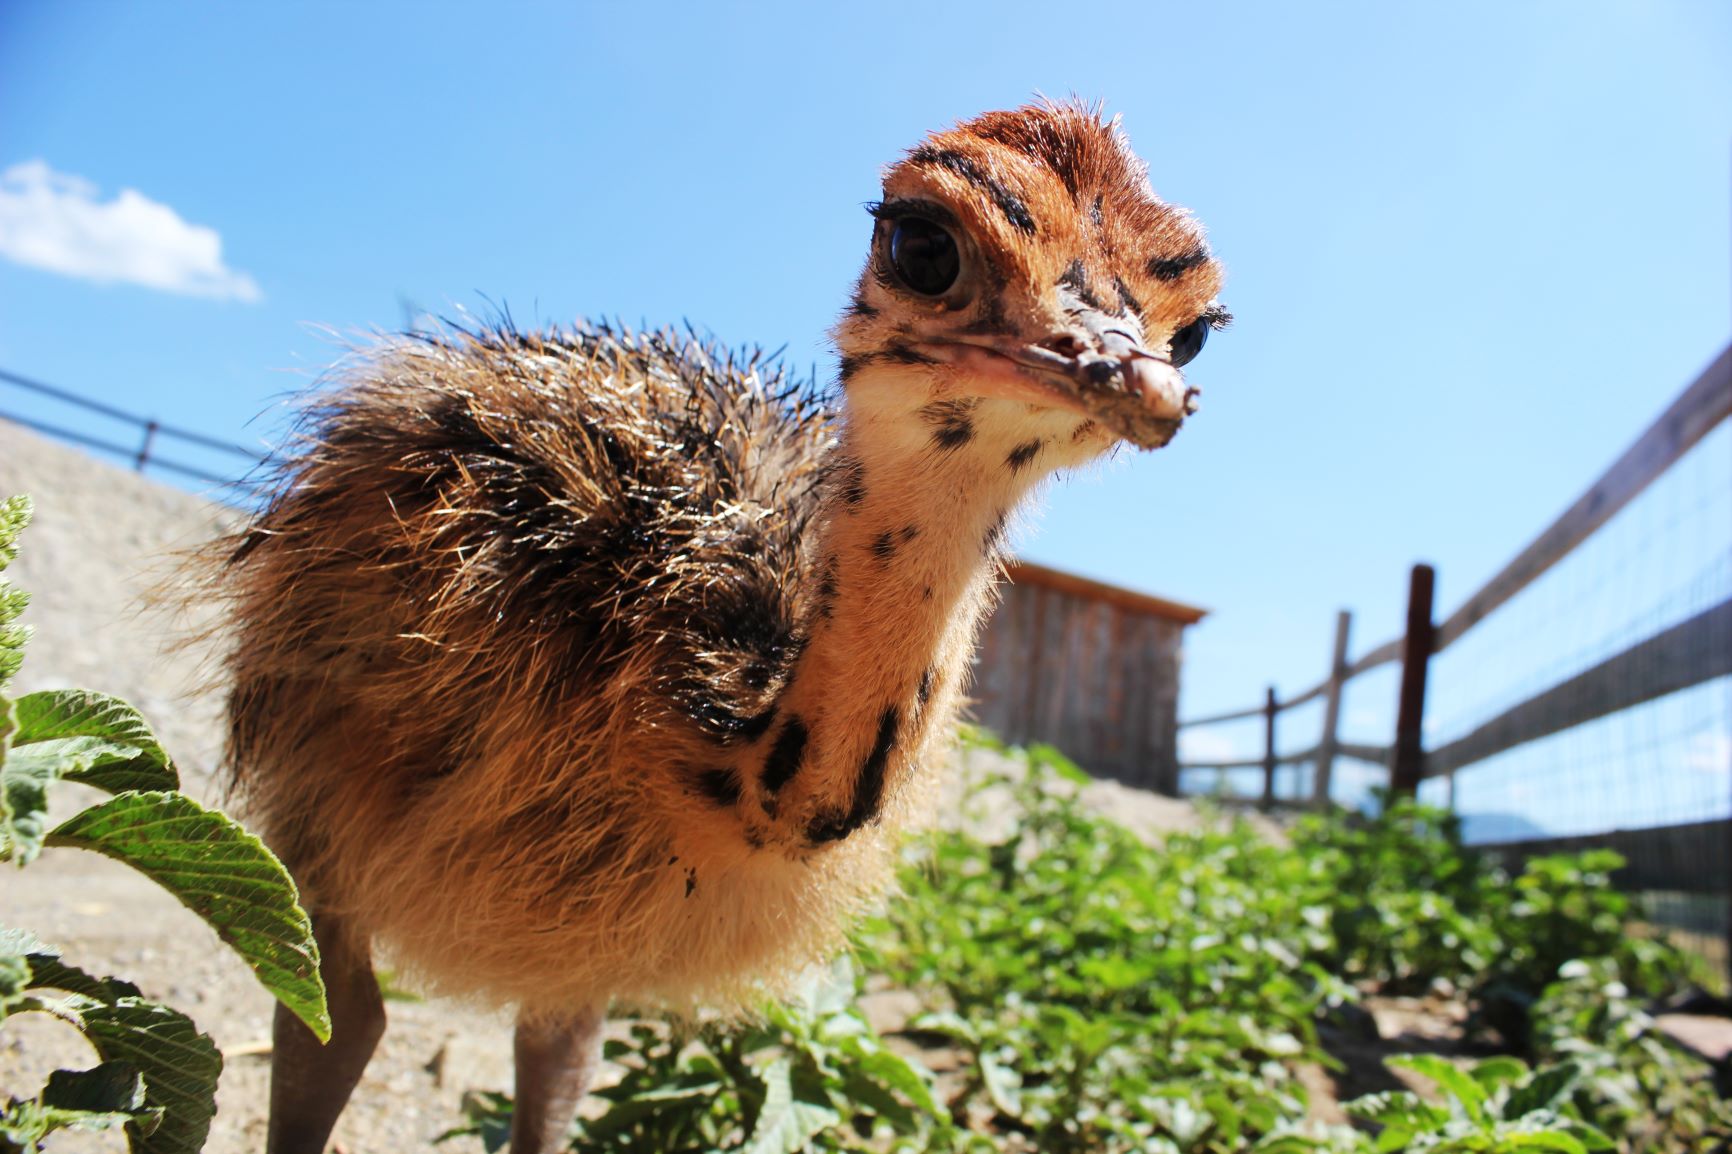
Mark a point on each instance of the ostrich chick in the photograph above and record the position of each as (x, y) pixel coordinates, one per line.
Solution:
(595, 666)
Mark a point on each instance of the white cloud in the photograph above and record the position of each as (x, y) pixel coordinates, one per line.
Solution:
(50, 220)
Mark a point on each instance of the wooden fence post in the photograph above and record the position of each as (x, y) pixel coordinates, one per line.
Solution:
(1407, 759)
(1269, 711)
(1331, 713)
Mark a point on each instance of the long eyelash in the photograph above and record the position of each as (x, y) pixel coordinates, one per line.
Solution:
(1217, 317)
(911, 206)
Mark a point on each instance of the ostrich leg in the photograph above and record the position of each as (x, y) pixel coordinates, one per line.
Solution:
(556, 1060)
(310, 1081)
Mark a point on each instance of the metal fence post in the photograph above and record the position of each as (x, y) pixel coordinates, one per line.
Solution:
(1331, 712)
(1407, 759)
(1270, 708)
(143, 457)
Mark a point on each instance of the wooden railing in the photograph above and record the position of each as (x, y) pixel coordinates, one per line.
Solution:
(1684, 655)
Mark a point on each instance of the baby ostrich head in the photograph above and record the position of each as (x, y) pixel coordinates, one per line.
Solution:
(1026, 305)
(1026, 286)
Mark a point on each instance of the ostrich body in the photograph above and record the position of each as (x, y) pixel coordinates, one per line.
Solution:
(596, 666)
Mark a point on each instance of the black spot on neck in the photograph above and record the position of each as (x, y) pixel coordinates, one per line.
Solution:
(923, 691)
(860, 308)
(868, 787)
(884, 546)
(1019, 457)
(1097, 212)
(849, 477)
(1172, 268)
(785, 756)
(952, 427)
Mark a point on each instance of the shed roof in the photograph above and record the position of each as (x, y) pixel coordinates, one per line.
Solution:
(1028, 573)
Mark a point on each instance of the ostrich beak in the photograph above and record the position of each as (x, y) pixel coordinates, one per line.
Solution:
(1097, 366)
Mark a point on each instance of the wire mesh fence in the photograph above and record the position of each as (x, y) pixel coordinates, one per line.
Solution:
(1582, 697)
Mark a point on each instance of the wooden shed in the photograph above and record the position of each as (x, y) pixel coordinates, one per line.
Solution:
(1088, 667)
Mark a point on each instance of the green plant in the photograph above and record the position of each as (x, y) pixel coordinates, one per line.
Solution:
(1110, 994)
(1408, 902)
(808, 1077)
(1090, 993)
(1635, 1081)
(1497, 1106)
(157, 1074)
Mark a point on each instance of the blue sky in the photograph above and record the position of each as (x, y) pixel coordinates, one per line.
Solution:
(1472, 248)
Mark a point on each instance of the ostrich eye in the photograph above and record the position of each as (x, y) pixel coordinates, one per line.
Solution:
(924, 256)
(1189, 341)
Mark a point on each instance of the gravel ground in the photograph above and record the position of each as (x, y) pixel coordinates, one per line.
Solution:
(102, 540)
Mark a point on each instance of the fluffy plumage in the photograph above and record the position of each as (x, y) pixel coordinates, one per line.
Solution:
(595, 665)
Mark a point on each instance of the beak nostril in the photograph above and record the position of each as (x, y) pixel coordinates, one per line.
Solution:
(1102, 371)
(1065, 345)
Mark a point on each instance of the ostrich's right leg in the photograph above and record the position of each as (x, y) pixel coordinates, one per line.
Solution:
(556, 1060)
(311, 1082)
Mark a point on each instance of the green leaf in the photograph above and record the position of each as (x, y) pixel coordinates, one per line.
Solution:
(15, 514)
(1593, 1138)
(1396, 1108)
(222, 873)
(1449, 1078)
(1545, 1091)
(76, 735)
(49, 972)
(23, 800)
(1543, 1140)
(180, 1068)
(108, 1095)
(1493, 1073)
(785, 1124)
(92, 738)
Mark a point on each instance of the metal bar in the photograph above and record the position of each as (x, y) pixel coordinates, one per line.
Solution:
(119, 450)
(1326, 741)
(122, 415)
(143, 457)
(1408, 763)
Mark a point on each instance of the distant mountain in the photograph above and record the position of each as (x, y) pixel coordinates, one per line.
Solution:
(1495, 828)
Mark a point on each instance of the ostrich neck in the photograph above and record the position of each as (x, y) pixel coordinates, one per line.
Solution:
(906, 555)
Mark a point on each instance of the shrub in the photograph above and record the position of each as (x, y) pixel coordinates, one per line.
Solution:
(156, 1074)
